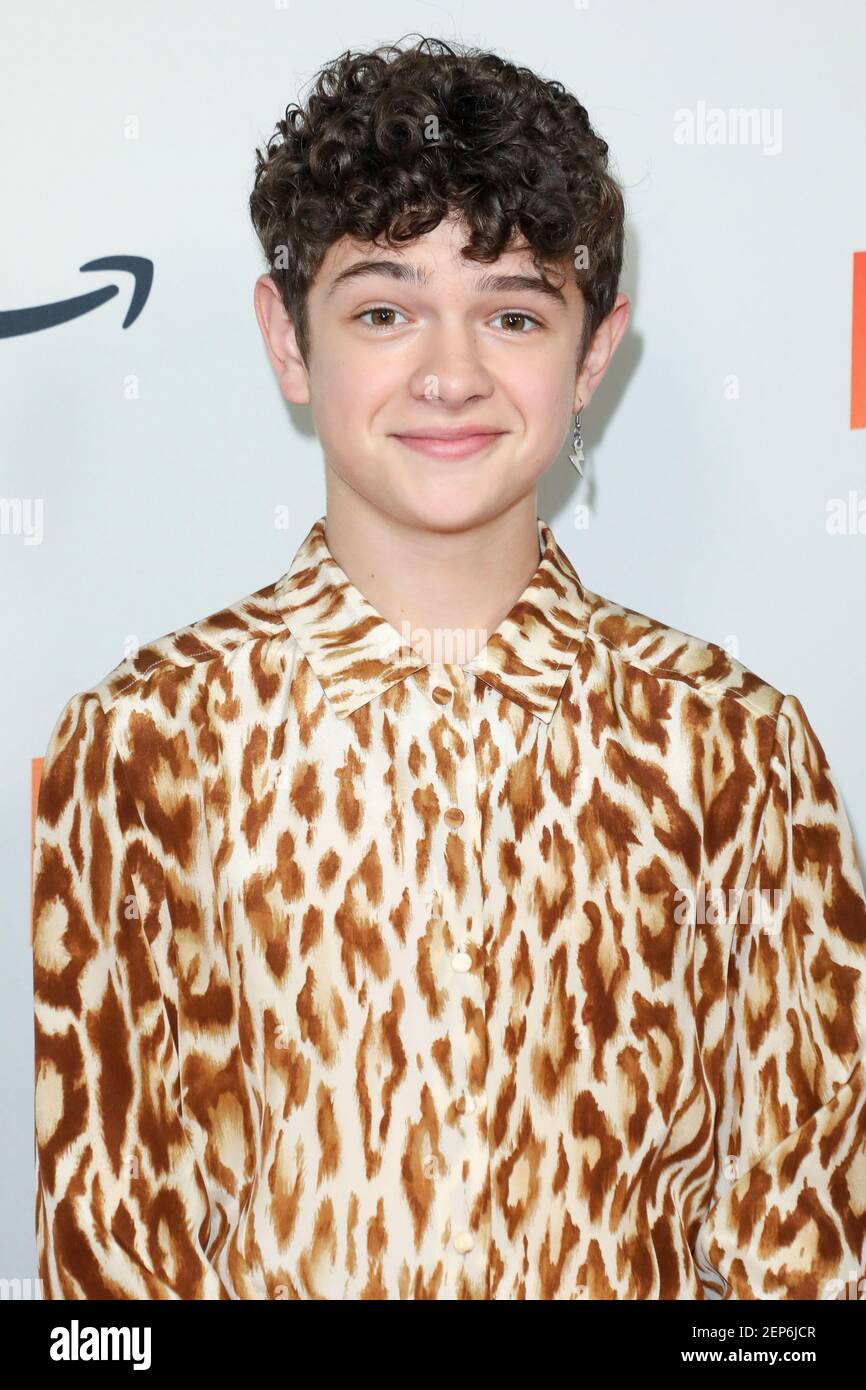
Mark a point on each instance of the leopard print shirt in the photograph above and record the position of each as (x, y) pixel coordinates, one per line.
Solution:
(364, 976)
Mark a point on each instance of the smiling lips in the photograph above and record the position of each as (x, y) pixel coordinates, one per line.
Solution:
(456, 444)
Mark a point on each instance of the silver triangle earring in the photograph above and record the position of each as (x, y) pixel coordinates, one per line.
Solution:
(577, 455)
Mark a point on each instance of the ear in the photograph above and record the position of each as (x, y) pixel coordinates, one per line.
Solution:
(600, 352)
(278, 331)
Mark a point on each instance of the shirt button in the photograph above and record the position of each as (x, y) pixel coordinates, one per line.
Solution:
(441, 695)
(454, 816)
(463, 1242)
(461, 962)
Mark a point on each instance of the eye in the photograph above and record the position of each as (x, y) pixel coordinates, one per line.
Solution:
(519, 314)
(377, 309)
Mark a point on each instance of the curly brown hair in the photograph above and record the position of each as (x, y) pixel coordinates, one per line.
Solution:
(392, 141)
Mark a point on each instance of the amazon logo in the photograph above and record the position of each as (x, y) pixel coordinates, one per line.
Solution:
(16, 322)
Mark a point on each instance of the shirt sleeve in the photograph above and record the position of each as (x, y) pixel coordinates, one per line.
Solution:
(788, 1215)
(122, 1208)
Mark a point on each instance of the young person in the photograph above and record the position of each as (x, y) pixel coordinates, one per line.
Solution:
(425, 925)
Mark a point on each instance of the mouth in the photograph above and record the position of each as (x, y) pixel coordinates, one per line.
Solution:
(454, 446)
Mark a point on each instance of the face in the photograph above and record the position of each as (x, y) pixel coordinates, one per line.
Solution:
(441, 388)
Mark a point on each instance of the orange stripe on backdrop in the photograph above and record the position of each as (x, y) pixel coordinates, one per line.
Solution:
(858, 343)
(35, 779)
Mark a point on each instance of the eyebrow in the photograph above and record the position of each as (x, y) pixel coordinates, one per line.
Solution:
(415, 275)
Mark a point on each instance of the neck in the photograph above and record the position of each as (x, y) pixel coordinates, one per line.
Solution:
(445, 591)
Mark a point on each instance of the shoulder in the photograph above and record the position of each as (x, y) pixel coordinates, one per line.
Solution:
(200, 648)
(115, 717)
(643, 645)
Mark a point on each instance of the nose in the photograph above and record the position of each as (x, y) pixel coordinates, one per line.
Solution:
(450, 365)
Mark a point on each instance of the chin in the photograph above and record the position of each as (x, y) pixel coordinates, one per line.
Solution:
(450, 514)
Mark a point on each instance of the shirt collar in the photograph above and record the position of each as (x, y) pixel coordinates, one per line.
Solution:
(356, 654)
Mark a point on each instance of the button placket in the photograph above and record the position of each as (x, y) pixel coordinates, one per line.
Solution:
(463, 980)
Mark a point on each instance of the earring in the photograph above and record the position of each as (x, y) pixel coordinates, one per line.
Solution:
(577, 455)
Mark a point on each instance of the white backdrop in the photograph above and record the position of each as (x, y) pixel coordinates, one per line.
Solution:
(142, 468)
